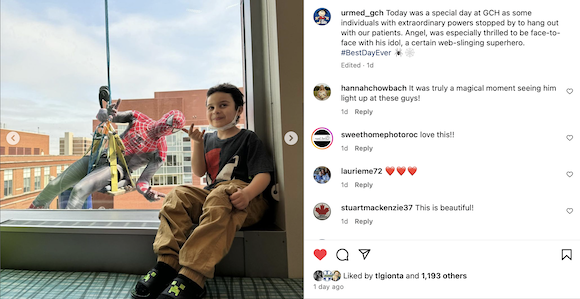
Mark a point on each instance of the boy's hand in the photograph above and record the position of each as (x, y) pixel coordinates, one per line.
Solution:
(240, 199)
(195, 135)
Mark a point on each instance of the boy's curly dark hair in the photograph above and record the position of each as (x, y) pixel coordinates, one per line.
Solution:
(236, 94)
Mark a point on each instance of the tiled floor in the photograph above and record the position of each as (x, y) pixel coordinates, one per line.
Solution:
(100, 285)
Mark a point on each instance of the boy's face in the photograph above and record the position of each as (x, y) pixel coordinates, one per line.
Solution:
(221, 109)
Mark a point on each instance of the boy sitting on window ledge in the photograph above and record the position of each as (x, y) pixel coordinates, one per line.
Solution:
(237, 167)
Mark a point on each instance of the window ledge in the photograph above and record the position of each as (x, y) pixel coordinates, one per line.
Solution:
(138, 222)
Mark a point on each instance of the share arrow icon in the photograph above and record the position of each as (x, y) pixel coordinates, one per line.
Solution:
(364, 252)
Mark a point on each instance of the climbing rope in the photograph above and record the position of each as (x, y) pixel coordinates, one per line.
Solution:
(108, 56)
(105, 130)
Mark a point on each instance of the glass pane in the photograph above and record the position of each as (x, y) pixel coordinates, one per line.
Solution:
(164, 55)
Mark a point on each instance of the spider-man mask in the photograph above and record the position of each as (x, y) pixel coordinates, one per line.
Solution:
(170, 123)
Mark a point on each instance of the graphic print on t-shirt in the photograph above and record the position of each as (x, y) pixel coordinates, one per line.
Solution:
(212, 158)
(228, 170)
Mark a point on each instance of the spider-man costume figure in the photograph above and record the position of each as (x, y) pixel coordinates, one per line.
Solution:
(145, 144)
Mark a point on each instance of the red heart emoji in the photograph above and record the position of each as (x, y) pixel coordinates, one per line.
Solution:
(412, 169)
(320, 253)
(390, 169)
(401, 169)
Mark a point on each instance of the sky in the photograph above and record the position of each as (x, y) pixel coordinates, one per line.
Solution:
(53, 56)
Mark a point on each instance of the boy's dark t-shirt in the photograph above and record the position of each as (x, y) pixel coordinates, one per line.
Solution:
(239, 157)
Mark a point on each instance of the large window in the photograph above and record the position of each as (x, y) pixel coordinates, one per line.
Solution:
(173, 160)
(7, 182)
(159, 52)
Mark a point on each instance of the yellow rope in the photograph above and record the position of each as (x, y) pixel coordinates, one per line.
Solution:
(116, 149)
(120, 149)
(113, 162)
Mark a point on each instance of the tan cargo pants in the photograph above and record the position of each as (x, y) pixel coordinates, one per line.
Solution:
(195, 253)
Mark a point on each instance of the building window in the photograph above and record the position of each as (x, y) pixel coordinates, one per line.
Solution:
(12, 151)
(2, 150)
(28, 151)
(46, 175)
(187, 179)
(8, 182)
(171, 160)
(26, 187)
(37, 178)
(165, 95)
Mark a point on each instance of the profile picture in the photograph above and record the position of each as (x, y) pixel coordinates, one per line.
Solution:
(322, 175)
(318, 275)
(327, 275)
(322, 16)
(322, 91)
(322, 138)
(322, 211)
(336, 275)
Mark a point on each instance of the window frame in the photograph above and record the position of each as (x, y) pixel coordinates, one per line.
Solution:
(8, 182)
(37, 178)
(46, 175)
(256, 102)
(26, 179)
(257, 119)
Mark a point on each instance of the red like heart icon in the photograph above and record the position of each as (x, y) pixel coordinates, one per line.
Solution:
(390, 169)
(401, 169)
(412, 169)
(320, 253)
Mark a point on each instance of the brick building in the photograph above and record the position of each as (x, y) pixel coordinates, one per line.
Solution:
(25, 170)
(19, 143)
